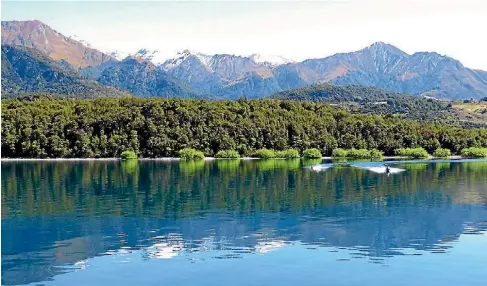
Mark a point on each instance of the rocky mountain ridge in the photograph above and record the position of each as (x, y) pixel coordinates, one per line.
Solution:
(230, 76)
(37, 35)
(379, 65)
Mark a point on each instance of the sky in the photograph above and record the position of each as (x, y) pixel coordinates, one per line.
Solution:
(293, 29)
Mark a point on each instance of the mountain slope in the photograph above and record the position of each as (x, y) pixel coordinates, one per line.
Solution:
(379, 65)
(142, 78)
(35, 34)
(362, 99)
(385, 66)
(229, 76)
(26, 70)
(223, 75)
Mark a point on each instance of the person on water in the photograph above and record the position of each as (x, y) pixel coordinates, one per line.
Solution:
(388, 170)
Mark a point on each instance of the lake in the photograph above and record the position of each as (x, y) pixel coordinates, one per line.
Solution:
(235, 222)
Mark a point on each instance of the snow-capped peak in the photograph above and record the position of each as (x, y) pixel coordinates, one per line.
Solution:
(150, 55)
(205, 59)
(270, 59)
(183, 55)
(83, 42)
(117, 54)
(267, 60)
(143, 54)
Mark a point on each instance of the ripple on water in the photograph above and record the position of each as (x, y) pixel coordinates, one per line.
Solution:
(158, 218)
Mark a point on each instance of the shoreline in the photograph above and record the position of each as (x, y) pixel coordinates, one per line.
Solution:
(456, 157)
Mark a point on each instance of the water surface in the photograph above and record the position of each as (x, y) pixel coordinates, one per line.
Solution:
(231, 222)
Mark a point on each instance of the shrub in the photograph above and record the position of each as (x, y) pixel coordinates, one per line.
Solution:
(198, 155)
(358, 153)
(264, 154)
(288, 154)
(312, 153)
(474, 152)
(229, 154)
(191, 154)
(412, 152)
(339, 153)
(126, 155)
(376, 154)
(442, 152)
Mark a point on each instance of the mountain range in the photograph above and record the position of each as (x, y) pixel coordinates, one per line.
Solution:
(226, 76)
(27, 70)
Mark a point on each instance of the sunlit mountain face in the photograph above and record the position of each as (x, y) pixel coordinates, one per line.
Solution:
(231, 76)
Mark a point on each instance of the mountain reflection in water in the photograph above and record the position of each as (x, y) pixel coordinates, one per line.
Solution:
(58, 215)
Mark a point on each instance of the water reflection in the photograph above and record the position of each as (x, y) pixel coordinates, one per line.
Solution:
(58, 215)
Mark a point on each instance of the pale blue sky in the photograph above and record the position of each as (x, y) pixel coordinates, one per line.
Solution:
(290, 29)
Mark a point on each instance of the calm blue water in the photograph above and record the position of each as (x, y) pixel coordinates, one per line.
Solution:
(254, 222)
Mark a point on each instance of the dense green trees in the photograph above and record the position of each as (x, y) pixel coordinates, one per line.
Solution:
(156, 127)
(371, 100)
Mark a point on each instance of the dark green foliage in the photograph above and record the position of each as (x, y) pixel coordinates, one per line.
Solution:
(229, 154)
(442, 153)
(288, 154)
(312, 153)
(474, 152)
(26, 71)
(46, 128)
(191, 154)
(126, 155)
(412, 152)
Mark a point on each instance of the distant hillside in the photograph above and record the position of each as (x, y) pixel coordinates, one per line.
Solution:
(26, 70)
(471, 111)
(35, 34)
(361, 99)
(142, 78)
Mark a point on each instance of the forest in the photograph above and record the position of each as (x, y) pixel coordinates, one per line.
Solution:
(105, 127)
(366, 99)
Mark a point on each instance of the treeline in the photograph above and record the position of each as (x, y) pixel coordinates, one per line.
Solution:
(49, 128)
